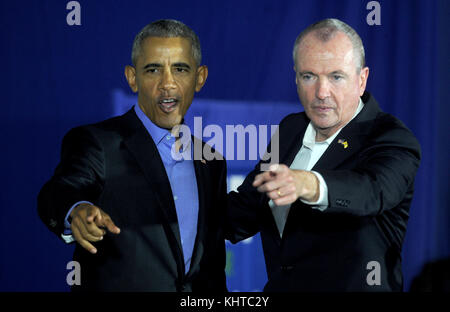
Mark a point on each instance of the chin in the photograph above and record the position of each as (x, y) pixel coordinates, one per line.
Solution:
(320, 123)
(325, 121)
(171, 124)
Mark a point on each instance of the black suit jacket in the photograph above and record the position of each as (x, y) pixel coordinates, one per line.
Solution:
(116, 165)
(370, 188)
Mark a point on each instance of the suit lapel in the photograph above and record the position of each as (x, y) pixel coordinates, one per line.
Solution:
(345, 145)
(144, 150)
(203, 181)
(291, 140)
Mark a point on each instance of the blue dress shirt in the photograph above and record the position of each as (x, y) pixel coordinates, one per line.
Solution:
(182, 180)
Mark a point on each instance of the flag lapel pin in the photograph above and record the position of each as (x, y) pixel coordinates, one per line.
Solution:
(343, 142)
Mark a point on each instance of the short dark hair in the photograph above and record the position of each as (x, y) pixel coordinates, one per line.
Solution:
(167, 28)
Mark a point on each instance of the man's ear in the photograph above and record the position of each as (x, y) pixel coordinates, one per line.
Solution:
(130, 74)
(202, 74)
(296, 76)
(363, 80)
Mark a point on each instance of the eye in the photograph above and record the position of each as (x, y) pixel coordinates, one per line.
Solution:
(337, 77)
(152, 70)
(306, 77)
(181, 70)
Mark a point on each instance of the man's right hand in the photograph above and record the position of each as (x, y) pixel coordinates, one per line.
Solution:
(88, 225)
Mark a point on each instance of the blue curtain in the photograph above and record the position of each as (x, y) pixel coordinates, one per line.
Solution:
(57, 76)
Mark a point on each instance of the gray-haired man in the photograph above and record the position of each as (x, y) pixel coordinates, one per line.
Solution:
(333, 213)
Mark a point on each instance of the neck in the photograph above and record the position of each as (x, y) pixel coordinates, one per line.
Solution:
(324, 134)
(175, 131)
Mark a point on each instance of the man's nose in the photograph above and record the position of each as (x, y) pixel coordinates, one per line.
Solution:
(167, 81)
(323, 89)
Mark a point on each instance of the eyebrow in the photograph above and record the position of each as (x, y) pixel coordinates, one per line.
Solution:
(157, 65)
(340, 72)
(181, 64)
(307, 73)
(152, 65)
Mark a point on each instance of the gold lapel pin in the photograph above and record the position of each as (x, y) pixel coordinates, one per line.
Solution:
(343, 142)
(203, 161)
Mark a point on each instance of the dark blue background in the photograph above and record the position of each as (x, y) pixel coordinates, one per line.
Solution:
(55, 77)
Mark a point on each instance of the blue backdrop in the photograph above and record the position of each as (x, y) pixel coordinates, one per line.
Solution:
(57, 76)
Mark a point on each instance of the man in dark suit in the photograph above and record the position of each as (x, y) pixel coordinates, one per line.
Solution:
(143, 219)
(333, 213)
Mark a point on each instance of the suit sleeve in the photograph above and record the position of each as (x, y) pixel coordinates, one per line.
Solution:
(383, 174)
(78, 177)
(246, 208)
(244, 211)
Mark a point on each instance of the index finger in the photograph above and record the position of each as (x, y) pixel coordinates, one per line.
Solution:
(106, 221)
(278, 168)
(274, 170)
(263, 177)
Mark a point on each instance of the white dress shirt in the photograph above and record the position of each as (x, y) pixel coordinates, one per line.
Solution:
(306, 158)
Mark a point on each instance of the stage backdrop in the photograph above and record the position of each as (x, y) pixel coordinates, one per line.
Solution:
(57, 75)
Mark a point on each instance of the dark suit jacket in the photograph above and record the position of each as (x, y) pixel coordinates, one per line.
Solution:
(370, 188)
(116, 165)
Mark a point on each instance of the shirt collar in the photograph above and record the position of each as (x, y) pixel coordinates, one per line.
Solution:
(157, 133)
(309, 139)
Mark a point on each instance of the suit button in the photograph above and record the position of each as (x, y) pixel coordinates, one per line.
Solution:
(53, 223)
(342, 202)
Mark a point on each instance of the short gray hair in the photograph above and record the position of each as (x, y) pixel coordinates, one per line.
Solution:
(167, 28)
(326, 29)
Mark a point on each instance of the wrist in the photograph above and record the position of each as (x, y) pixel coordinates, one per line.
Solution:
(309, 188)
(75, 208)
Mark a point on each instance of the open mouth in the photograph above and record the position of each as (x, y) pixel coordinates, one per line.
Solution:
(168, 105)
